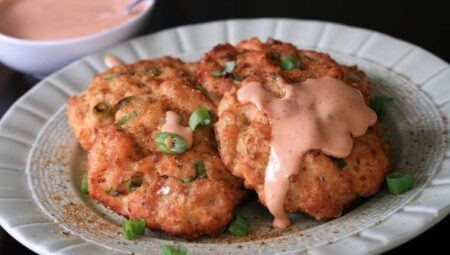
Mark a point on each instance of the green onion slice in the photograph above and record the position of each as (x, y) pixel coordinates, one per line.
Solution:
(101, 110)
(155, 72)
(171, 250)
(112, 192)
(202, 89)
(133, 228)
(216, 73)
(341, 163)
(133, 183)
(170, 143)
(399, 182)
(229, 67)
(200, 117)
(288, 63)
(127, 118)
(239, 227)
(124, 101)
(200, 170)
(108, 76)
(84, 184)
(379, 105)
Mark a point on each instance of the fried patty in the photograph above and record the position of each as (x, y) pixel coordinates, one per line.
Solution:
(320, 188)
(126, 171)
(110, 87)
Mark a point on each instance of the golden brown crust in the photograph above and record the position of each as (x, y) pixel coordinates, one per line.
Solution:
(320, 188)
(170, 198)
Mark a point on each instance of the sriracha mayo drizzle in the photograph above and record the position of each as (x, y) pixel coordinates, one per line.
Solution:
(173, 125)
(318, 114)
(112, 61)
(61, 19)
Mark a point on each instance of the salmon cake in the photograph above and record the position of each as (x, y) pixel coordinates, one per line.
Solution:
(137, 167)
(88, 112)
(323, 185)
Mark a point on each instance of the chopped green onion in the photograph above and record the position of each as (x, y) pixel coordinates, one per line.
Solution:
(127, 118)
(112, 192)
(171, 250)
(124, 101)
(101, 109)
(216, 73)
(155, 72)
(399, 182)
(108, 76)
(237, 78)
(188, 179)
(200, 117)
(341, 163)
(170, 143)
(84, 184)
(229, 67)
(202, 89)
(378, 104)
(239, 227)
(200, 170)
(133, 183)
(133, 228)
(288, 63)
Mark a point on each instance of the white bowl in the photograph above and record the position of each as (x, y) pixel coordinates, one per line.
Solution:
(41, 58)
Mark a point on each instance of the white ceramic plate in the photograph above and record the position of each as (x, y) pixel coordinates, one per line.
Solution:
(40, 160)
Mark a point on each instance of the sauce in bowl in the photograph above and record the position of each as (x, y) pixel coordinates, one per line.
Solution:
(61, 19)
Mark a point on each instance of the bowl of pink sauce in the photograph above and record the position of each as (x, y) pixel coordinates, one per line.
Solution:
(40, 36)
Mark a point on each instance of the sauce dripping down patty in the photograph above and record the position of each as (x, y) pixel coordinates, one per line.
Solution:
(317, 114)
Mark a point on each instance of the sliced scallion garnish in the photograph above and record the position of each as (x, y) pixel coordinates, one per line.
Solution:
(171, 250)
(127, 118)
(227, 69)
(200, 170)
(239, 227)
(84, 184)
(101, 110)
(200, 117)
(399, 182)
(379, 105)
(124, 101)
(288, 63)
(341, 163)
(133, 228)
(202, 89)
(170, 143)
(133, 183)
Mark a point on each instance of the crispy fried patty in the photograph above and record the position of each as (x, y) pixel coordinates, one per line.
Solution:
(166, 190)
(321, 187)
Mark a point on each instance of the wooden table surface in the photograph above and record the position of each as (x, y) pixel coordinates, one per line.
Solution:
(422, 23)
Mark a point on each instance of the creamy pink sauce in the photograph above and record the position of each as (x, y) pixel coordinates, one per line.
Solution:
(61, 19)
(318, 114)
(112, 61)
(173, 125)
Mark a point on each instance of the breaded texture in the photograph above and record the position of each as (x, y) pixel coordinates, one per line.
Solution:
(320, 188)
(256, 59)
(170, 195)
(115, 84)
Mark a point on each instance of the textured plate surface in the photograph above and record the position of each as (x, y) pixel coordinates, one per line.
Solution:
(40, 163)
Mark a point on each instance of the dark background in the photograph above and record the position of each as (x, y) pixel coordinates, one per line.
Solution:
(424, 23)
